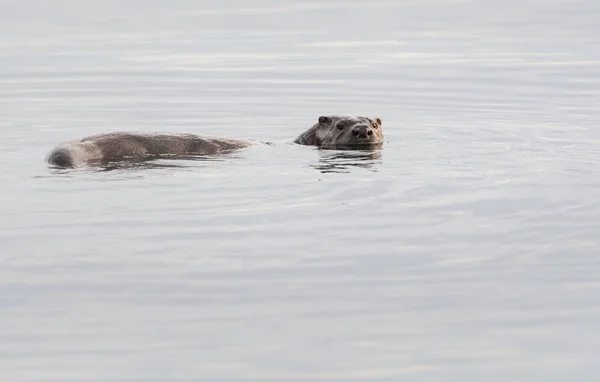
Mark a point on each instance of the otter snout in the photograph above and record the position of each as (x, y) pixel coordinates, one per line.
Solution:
(362, 131)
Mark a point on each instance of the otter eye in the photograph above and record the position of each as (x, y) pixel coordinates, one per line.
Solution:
(375, 125)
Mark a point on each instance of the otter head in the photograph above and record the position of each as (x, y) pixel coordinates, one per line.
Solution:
(342, 131)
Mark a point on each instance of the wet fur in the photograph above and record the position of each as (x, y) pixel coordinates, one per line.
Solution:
(131, 145)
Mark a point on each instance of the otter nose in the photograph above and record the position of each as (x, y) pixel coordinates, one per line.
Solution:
(362, 131)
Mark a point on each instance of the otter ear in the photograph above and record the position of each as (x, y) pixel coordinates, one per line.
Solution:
(377, 121)
(324, 120)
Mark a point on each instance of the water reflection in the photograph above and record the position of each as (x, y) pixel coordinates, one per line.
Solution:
(147, 162)
(335, 161)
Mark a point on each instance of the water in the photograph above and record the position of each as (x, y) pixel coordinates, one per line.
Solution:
(465, 250)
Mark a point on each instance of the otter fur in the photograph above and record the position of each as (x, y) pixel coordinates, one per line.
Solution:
(122, 145)
(329, 132)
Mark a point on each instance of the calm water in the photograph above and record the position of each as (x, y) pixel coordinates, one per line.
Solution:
(466, 250)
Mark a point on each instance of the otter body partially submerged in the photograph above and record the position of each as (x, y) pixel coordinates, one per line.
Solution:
(339, 132)
(330, 132)
(122, 145)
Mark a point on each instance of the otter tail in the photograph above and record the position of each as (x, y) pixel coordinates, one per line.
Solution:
(61, 157)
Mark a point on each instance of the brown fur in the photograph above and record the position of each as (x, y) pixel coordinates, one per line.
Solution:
(336, 131)
(131, 145)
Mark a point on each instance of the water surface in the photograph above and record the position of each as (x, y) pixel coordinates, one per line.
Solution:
(466, 250)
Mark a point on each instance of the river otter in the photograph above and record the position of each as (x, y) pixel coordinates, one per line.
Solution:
(337, 131)
(329, 132)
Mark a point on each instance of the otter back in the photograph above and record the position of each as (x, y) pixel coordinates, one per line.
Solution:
(122, 145)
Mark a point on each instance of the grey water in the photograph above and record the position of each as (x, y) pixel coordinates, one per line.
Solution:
(467, 249)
